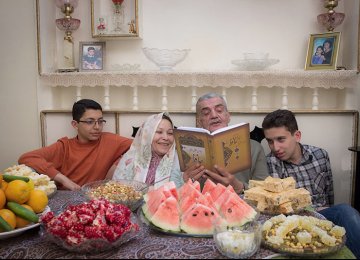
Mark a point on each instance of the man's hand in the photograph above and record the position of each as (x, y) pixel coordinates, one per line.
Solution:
(195, 172)
(66, 182)
(224, 177)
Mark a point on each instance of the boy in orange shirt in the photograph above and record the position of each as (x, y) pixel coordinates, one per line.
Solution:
(72, 162)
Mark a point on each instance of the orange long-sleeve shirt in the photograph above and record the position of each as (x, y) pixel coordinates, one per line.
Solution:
(81, 163)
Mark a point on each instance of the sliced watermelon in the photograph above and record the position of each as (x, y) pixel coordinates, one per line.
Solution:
(236, 212)
(169, 189)
(189, 200)
(167, 216)
(217, 191)
(222, 199)
(152, 199)
(187, 187)
(208, 186)
(199, 220)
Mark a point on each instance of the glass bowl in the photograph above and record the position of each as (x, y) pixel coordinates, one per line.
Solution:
(127, 192)
(239, 241)
(255, 55)
(165, 59)
(254, 64)
(90, 227)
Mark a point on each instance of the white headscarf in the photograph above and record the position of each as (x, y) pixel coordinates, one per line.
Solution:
(134, 164)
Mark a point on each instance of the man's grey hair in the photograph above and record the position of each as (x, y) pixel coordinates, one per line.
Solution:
(208, 96)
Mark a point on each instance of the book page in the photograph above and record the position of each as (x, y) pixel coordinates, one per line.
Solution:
(227, 128)
(194, 129)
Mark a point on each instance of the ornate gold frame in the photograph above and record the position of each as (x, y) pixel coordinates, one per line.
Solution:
(133, 24)
(311, 50)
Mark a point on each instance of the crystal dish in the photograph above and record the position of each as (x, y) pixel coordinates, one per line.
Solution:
(91, 245)
(316, 248)
(127, 192)
(90, 227)
(254, 64)
(166, 59)
(238, 242)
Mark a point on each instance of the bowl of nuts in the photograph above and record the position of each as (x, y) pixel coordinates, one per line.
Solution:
(126, 192)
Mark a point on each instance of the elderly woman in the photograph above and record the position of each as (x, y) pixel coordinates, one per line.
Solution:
(151, 156)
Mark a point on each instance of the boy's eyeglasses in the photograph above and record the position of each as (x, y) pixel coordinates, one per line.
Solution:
(93, 122)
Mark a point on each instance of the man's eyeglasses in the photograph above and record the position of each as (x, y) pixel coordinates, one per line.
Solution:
(93, 122)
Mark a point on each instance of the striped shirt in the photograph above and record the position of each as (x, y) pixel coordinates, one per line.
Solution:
(312, 173)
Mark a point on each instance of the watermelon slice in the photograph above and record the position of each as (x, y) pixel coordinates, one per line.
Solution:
(236, 212)
(189, 200)
(217, 191)
(169, 189)
(199, 220)
(152, 199)
(187, 187)
(208, 186)
(167, 216)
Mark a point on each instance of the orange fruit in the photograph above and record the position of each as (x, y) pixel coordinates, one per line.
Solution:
(9, 217)
(17, 191)
(31, 184)
(2, 199)
(37, 200)
(20, 222)
(3, 185)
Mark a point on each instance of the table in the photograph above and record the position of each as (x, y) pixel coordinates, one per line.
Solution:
(149, 244)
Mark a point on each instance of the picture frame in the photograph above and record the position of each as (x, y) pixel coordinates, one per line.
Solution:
(115, 18)
(91, 56)
(323, 51)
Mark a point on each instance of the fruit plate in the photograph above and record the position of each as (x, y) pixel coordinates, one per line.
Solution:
(18, 231)
(305, 252)
(145, 221)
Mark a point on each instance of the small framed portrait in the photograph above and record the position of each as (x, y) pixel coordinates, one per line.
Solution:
(322, 51)
(91, 56)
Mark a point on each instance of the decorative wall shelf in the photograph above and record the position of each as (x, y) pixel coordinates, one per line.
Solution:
(293, 78)
(224, 79)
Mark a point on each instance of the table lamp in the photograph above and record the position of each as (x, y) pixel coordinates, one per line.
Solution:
(331, 19)
(67, 24)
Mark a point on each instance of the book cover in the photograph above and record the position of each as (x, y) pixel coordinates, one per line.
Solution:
(228, 147)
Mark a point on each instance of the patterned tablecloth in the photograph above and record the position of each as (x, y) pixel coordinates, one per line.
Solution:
(149, 244)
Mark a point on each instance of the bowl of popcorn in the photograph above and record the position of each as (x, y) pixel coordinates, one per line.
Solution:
(239, 241)
(127, 192)
(90, 227)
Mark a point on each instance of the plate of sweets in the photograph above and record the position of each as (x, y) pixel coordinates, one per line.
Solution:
(274, 196)
(189, 211)
(304, 236)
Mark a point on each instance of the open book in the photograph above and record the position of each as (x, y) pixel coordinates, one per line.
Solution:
(227, 147)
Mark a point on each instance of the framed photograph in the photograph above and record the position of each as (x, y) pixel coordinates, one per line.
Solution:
(114, 18)
(91, 56)
(322, 51)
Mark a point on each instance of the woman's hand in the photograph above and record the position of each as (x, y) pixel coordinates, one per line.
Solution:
(225, 178)
(195, 172)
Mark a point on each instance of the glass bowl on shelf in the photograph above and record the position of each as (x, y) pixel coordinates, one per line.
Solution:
(127, 192)
(166, 59)
(238, 242)
(254, 64)
(90, 227)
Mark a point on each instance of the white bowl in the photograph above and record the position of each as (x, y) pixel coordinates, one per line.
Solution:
(165, 59)
(238, 242)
